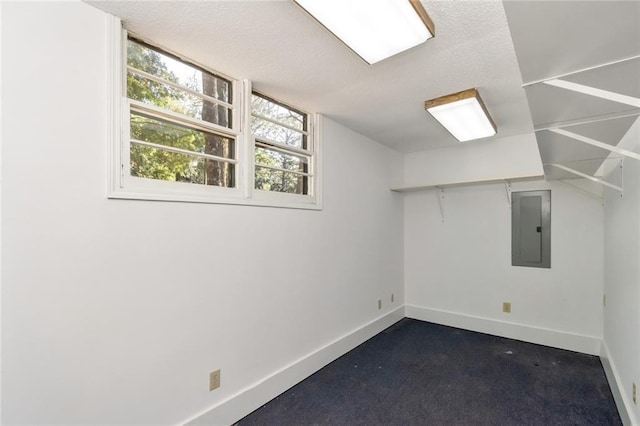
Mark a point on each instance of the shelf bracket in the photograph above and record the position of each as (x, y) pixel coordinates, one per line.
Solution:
(622, 177)
(507, 187)
(441, 202)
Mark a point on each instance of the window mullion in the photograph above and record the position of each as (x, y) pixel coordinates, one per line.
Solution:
(247, 150)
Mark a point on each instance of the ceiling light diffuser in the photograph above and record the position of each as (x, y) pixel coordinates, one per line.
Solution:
(463, 114)
(373, 29)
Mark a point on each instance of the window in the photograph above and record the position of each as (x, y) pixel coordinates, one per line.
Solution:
(282, 155)
(187, 133)
(180, 120)
(531, 229)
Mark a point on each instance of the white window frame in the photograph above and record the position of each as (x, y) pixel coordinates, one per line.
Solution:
(121, 185)
(313, 140)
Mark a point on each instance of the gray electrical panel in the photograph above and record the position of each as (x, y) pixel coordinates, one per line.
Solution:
(531, 229)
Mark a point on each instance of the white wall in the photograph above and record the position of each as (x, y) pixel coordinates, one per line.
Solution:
(458, 272)
(510, 157)
(622, 277)
(115, 311)
(1, 221)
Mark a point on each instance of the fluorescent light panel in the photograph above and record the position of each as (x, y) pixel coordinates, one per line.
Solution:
(374, 29)
(463, 114)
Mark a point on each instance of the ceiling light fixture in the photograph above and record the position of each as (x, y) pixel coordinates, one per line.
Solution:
(463, 114)
(373, 29)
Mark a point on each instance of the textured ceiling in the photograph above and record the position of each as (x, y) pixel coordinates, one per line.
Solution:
(290, 57)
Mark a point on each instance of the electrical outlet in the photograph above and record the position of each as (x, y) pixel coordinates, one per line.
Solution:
(634, 393)
(379, 303)
(214, 380)
(506, 307)
(391, 297)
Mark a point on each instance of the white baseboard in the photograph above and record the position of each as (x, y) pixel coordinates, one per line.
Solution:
(244, 402)
(236, 407)
(617, 388)
(541, 336)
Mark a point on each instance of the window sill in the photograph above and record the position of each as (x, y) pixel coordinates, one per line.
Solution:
(261, 199)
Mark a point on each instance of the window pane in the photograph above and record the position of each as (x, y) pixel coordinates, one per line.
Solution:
(153, 163)
(163, 95)
(289, 126)
(277, 112)
(154, 130)
(272, 132)
(167, 97)
(274, 122)
(279, 181)
(269, 157)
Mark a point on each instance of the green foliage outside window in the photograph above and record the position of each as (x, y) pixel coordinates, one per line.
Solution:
(290, 135)
(277, 146)
(155, 163)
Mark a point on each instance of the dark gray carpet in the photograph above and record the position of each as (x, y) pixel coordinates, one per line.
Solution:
(418, 373)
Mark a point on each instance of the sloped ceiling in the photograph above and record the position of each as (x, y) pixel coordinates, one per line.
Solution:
(291, 57)
(597, 43)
